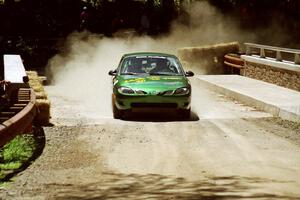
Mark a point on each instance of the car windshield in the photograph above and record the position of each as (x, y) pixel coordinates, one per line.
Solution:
(152, 65)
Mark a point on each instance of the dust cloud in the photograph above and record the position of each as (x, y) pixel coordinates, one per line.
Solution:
(208, 26)
(80, 71)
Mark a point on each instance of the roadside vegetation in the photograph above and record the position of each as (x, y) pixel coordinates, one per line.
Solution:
(17, 153)
(36, 28)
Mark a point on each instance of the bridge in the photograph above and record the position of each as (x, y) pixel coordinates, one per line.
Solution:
(275, 65)
(234, 139)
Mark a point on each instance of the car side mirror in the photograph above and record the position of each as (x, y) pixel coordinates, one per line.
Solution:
(112, 72)
(189, 74)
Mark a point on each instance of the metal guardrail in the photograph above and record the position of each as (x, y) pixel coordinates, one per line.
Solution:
(252, 48)
(234, 63)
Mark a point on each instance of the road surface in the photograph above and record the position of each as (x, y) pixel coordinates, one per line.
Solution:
(225, 151)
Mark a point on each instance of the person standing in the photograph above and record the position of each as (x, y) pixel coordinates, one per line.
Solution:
(84, 17)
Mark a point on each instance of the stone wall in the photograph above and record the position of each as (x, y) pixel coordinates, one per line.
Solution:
(279, 76)
(206, 59)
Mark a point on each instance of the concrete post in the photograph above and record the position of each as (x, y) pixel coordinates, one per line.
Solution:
(278, 56)
(297, 58)
(248, 50)
(262, 53)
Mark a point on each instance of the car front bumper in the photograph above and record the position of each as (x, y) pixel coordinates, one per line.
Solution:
(152, 103)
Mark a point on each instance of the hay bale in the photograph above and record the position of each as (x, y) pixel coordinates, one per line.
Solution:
(41, 95)
(31, 73)
(37, 88)
(207, 59)
(42, 102)
(34, 81)
(43, 114)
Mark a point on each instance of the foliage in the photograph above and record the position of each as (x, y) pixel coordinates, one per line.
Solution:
(94, 3)
(47, 20)
(57, 18)
(156, 3)
(16, 152)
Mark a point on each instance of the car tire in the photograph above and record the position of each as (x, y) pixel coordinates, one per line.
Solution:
(184, 114)
(117, 114)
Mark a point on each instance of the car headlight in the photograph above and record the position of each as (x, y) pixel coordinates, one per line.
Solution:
(182, 91)
(125, 90)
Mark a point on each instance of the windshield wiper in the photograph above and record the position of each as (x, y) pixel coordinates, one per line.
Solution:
(129, 73)
(133, 73)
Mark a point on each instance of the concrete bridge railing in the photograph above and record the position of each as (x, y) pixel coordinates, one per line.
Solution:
(280, 66)
(278, 52)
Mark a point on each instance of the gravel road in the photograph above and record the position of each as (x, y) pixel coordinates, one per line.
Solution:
(225, 151)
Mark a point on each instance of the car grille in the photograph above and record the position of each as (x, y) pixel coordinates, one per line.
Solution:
(154, 105)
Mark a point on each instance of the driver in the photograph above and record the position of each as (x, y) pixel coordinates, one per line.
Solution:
(161, 66)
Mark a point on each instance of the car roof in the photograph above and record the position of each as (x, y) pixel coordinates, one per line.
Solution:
(148, 54)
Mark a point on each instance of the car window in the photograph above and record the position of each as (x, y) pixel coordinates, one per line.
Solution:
(156, 65)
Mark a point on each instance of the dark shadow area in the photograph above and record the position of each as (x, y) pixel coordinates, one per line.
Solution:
(158, 117)
(1, 67)
(40, 141)
(154, 186)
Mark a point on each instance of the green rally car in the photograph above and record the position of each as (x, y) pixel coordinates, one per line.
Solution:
(147, 82)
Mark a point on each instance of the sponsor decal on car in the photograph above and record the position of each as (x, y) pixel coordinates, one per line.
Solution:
(135, 80)
(154, 78)
(171, 78)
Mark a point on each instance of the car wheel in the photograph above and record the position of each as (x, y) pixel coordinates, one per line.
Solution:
(184, 114)
(117, 114)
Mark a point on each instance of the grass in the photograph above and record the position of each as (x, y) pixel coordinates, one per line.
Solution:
(17, 152)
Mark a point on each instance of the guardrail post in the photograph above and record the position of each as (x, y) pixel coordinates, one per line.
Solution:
(297, 58)
(278, 56)
(262, 53)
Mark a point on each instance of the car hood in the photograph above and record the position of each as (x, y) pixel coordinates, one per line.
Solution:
(152, 83)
